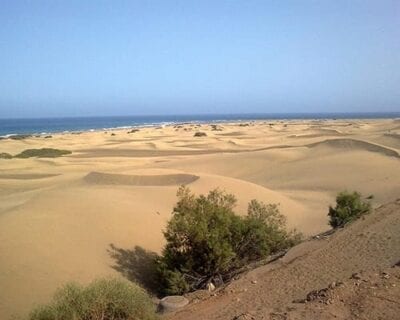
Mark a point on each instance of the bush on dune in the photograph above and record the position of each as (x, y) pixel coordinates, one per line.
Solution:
(207, 241)
(103, 299)
(5, 155)
(349, 207)
(20, 136)
(42, 153)
(200, 134)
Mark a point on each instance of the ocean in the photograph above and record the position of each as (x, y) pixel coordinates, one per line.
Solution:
(53, 125)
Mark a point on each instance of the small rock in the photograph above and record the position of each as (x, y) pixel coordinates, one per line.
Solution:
(210, 286)
(356, 276)
(254, 281)
(172, 303)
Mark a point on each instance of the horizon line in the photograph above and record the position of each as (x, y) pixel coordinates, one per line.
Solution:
(211, 114)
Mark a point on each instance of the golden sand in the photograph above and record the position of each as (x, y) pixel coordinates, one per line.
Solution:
(58, 216)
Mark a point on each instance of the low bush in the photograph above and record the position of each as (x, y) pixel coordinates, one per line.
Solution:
(42, 153)
(215, 127)
(20, 136)
(349, 207)
(200, 134)
(5, 155)
(207, 242)
(103, 299)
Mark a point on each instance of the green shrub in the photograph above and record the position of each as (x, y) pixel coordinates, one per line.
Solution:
(349, 206)
(103, 299)
(206, 240)
(20, 136)
(42, 153)
(200, 134)
(5, 155)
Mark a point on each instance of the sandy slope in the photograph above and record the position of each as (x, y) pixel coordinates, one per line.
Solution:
(273, 291)
(58, 216)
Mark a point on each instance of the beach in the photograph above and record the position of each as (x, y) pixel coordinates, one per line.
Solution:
(59, 216)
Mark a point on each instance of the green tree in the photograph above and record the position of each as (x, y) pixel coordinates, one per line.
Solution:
(349, 207)
(206, 240)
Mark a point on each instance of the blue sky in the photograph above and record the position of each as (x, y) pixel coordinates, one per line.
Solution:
(85, 58)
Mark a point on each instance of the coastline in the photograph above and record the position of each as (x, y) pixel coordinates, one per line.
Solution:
(45, 126)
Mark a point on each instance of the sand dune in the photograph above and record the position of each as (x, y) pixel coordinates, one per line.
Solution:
(139, 180)
(353, 144)
(27, 176)
(57, 221)
(316, 132)
(93, 153)
(232, 134)
(317, 135)
(393, 135)
(93, 215)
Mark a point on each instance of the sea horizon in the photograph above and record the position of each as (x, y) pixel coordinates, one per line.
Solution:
(48, 125)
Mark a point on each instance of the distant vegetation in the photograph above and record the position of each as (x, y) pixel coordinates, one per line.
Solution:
(5, 155)
(104, 299)
(20, 136)
(207, 242)
(349, 206)
(42, 153)
(200, 134)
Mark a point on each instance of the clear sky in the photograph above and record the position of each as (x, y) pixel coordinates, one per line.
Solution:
(85, 58)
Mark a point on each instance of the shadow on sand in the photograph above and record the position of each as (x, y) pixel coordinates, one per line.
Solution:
(137, 265)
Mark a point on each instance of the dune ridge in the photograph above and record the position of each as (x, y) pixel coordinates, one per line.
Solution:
(354, 144)
(101, 178)
(27, 176)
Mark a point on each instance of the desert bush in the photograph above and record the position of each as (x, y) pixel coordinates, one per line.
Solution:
(200, 134)
(42, 153)
(20, 136)
(349, 206)
(207, 241)
(215, 127)
(103, 299)
(5, 155)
